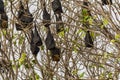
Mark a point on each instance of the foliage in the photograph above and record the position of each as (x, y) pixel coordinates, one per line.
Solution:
(77, 61)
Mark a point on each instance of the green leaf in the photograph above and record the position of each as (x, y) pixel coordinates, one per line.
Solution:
(90, 20)
(22, 59)
(92, 34)
(117, 36)
(4, 32)
(61, 33)
(110, 75)
(81, 75)
(105, 22)
(105, 55)
(79, 31)
(102, 66)
(21, 39)
(113, 41)
(37, 77)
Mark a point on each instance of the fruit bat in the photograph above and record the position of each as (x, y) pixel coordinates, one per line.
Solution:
(34, 48)
(3, 16)
(36, 37)
(88, 40)
(25, 17)
(49, 41)
(46, 17)
(106, 2)
(55, 53)
(56, 6)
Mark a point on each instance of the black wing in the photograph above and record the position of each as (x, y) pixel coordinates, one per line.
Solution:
(1, 7)
(88, 40)
(49, 42)
(37, 39)
(46, 17)
(34, 48)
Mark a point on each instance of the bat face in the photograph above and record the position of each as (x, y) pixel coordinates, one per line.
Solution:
(55, 52)
(4, 21)
(4, 24)
(106, 2)
(56, 6)
(49, 42)
(88, 40)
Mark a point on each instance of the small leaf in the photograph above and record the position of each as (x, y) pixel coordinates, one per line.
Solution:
(105, 22)
(113, 41)
(81, 75)
(37, 77)
(4, 32)
(117, 36)
(105, 55)
(21, 39)
(22, 59)
(90, 21)
(102, 66)
(61, 33)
